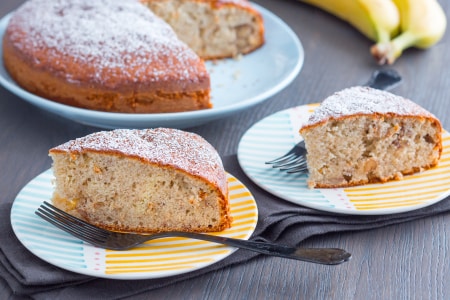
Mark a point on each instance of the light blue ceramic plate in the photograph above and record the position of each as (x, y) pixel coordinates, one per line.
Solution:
(236, 84)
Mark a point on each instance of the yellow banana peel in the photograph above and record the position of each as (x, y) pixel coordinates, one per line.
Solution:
(379, 20)
(423, 23)
(394, 25)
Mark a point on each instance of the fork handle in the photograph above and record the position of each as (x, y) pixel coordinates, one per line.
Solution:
(326, 256)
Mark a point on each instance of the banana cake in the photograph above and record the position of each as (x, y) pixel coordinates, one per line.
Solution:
(143, 181)
(363, 135)
(119, 56)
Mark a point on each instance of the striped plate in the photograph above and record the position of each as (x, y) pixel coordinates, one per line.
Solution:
(154, 259)
(277, 133)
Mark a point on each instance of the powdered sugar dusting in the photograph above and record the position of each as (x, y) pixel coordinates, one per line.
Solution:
(169, 147)
(364, 101)
(119, 38)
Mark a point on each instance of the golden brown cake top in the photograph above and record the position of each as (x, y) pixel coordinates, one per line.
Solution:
(242, 3)
(182, 150)
(217, 3)
(107, 41)
(364, 101)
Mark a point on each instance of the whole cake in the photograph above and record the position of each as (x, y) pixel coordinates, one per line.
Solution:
(142, 181)
(118, 56)
(105, 55)
(213, 28)
(363, 135)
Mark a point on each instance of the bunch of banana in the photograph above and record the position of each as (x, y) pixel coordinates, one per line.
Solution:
(394, 25)
(422, 24)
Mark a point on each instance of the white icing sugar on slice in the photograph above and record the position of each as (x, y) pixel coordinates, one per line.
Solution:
(364, 101)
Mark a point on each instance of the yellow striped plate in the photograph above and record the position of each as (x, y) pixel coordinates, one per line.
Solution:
(154, 259)
(273, 136)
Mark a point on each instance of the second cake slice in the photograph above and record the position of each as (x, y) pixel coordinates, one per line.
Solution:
(362, 135)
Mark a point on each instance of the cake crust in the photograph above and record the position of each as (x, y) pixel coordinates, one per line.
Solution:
(362, 135)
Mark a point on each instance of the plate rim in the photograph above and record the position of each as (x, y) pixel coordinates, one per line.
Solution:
(340, 211)
(139, 275)
(200, 116)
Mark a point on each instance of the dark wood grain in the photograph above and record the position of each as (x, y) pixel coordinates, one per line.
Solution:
(406, 261)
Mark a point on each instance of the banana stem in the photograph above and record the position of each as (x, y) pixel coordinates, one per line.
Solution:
(387, 53)
(383, 36)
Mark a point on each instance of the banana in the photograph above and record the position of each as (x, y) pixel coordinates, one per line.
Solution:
(423, 23)
(379, 20)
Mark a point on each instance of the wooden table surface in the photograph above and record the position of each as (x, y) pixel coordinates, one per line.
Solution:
(406, 261)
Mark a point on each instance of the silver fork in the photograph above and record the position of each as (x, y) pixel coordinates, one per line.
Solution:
(122, 241)
(294, 161)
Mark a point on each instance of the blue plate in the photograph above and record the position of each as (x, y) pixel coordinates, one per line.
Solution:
(235, 84)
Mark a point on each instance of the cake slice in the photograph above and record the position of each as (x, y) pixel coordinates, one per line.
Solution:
(213, 28)
(142, 181)
(363, 135)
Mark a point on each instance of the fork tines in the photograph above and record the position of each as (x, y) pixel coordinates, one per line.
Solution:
(297, 151)
(297, 166)
(293, 161)
(286, 159)
(71, 224)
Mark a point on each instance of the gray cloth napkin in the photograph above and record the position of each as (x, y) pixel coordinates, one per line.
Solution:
(23, 275)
